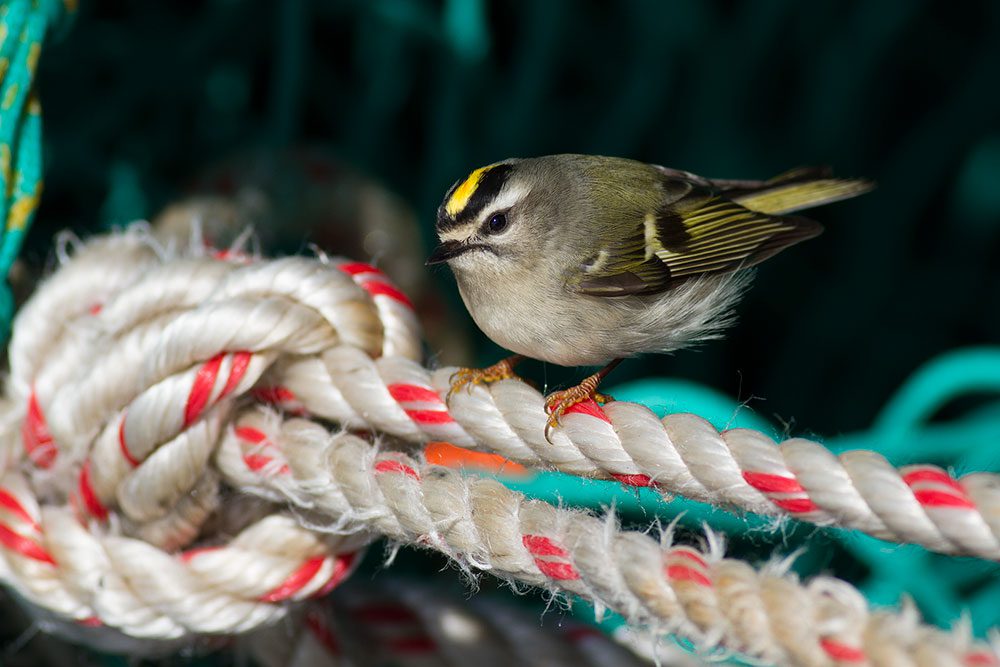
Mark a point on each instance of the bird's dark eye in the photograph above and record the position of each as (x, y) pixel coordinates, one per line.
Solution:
(497, 223)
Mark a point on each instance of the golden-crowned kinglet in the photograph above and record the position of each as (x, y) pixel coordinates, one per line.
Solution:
(583, 260)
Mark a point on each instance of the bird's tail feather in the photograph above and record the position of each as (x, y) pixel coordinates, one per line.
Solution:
(799, 189)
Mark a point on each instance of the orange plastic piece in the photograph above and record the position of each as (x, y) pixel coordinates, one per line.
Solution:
(450, 456)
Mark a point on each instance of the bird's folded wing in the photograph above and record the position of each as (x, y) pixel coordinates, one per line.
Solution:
(701, 233)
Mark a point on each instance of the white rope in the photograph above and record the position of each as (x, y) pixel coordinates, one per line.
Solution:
(97, 577)
(681, 454)
(482, 525)
(124, 382)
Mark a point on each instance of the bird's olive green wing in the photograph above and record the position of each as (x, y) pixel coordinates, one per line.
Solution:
(698, 233)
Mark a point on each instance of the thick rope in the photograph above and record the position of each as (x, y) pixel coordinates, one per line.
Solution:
(481, 524)
(130, 367)
(680, 454)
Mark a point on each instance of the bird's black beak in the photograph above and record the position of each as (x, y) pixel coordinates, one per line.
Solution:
(446, 251)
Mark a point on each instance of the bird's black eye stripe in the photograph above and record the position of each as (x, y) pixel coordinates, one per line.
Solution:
(496, 224)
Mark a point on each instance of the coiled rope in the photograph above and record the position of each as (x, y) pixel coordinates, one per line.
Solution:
(131, 416)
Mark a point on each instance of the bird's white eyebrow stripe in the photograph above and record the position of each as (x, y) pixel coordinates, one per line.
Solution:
(507, 198)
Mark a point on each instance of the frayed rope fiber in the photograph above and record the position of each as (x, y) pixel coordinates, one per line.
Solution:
(142, 391)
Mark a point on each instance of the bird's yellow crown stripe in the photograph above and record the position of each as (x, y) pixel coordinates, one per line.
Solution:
(464, 192)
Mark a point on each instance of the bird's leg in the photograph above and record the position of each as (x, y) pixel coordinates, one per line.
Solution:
(468, 377)
(558, 402)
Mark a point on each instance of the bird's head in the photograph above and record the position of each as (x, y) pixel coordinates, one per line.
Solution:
(484, 220)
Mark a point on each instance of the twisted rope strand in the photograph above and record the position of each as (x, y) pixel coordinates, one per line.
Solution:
(98, 578)
(763, 613)
(680, 454)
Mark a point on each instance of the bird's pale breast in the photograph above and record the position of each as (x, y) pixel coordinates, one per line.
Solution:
(544, 320)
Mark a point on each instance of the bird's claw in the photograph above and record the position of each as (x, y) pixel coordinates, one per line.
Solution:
(558, 402)
(470, 377)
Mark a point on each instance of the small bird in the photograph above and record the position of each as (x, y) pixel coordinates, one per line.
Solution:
(583, 260)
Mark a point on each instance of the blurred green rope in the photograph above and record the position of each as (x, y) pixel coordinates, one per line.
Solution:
(958, 373)
(23, 27)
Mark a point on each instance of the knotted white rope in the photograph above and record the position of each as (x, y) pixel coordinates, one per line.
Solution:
(125, 428)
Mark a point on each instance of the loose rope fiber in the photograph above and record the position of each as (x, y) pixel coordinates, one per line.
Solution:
(137, 406)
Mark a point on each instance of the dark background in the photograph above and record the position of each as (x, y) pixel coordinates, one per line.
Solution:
(141, 96)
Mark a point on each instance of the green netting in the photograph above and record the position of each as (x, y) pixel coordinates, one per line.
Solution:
(24, 25)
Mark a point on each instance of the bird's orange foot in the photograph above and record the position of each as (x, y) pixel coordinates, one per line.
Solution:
(469, 377)
(558, 402)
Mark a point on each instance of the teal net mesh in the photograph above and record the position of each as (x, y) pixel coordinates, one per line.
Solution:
(23, 28)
